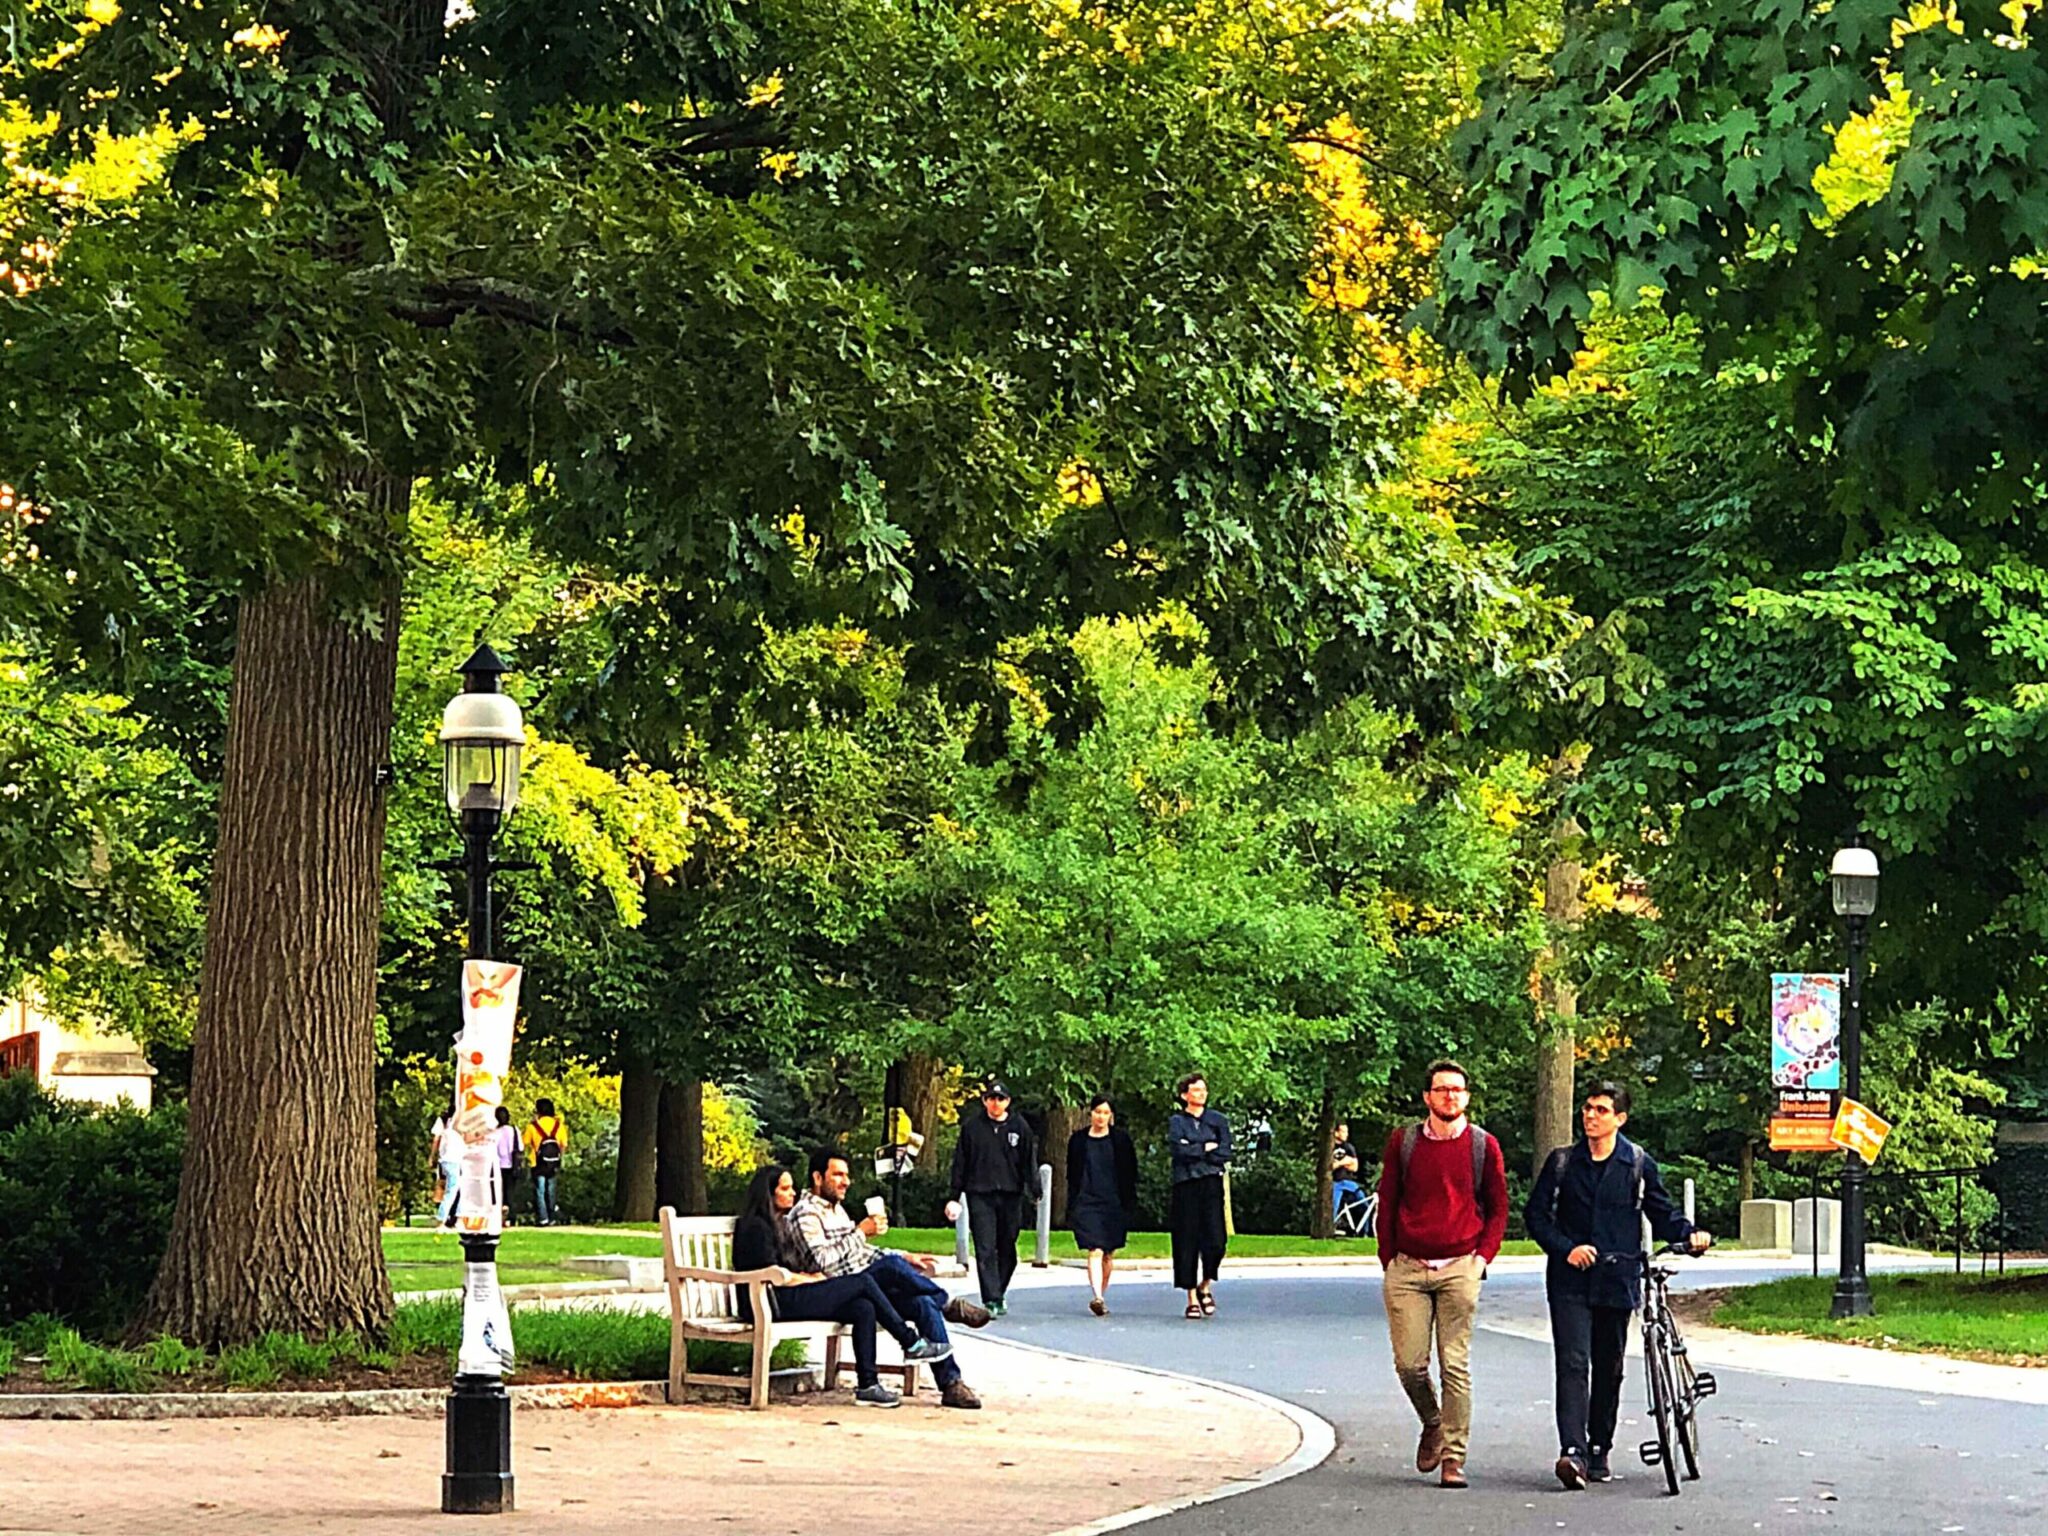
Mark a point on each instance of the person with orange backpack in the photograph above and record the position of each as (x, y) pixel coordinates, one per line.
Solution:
(547, 1138)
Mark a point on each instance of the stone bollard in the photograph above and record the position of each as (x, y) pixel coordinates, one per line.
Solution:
(1044, 1256)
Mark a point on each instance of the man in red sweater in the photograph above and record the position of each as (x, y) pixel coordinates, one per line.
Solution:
(1443, 1214)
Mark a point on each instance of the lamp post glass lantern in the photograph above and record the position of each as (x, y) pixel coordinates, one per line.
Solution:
(1853, 876)
(482, 734)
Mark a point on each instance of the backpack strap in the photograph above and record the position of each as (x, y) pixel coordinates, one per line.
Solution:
(1558, 1159)
(1479, 1140)
(1635, 1165)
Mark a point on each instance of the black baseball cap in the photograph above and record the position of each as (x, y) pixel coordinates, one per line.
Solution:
(995, 1090)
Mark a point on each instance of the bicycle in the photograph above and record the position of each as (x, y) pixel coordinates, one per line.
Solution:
(1676, 1389)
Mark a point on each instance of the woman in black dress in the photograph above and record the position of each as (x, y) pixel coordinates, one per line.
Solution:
(1199, 1140)
(1102, 1193)
(763, 1238)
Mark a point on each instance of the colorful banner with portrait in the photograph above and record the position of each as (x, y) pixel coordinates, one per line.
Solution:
(1806, 1030)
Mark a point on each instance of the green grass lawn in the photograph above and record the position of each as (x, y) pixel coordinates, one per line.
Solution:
(1968, 1315)
(421, 1259)
(1159, 1245)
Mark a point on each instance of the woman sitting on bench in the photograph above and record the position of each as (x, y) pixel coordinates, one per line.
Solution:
(763, 1238)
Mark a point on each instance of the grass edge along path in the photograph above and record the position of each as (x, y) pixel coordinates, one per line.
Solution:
(1999, 1320)
(586, 1344)
(421, 1259)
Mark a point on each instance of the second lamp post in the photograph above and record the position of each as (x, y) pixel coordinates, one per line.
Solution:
(1854, 878)
(481, 737)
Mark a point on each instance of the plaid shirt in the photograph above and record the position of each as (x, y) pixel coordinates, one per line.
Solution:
(837, 1246)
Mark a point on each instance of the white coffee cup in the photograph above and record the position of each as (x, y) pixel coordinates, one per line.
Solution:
(879, 1209)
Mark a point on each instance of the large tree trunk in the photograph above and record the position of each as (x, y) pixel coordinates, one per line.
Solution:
(639, 1138)
(924, 1082)
(1557, 1005)
(1061, 1121)
(276, 1220)
(1322, 1220)
(679, 1174)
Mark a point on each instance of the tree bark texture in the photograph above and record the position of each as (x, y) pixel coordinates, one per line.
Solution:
(1061, 1121)
(1321, 1221)
(1557, 1006)
(276, 1222)
(639, 1138)
(679, 1172)
(924, 1084)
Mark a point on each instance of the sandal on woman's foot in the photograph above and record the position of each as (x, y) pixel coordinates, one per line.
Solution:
(1194, 1309)
(1208, 1305)
(1099, 1307)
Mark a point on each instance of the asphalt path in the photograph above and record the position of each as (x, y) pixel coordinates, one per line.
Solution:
(1779, 1455)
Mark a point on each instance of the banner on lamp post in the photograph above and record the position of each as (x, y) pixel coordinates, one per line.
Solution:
(483, 1059)
(1806, 1030)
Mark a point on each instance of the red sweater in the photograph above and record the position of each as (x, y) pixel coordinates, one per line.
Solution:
(1432, 1214)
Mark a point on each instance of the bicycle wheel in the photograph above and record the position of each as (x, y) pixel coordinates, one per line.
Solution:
(1663, 1401)
(1688, 1408)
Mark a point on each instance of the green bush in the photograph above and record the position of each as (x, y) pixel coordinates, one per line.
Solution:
(6, 1354)
(73, 1361)
(167, 1356)
(85, 1205)
(248, 1365)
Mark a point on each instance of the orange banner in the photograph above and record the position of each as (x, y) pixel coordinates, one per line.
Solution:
(1800, 1133)
(1860, 1129)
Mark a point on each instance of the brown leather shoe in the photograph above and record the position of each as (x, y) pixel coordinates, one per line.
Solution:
(1429, 1453)
(1453, 1474)
(959, 1395)
(971, 1314)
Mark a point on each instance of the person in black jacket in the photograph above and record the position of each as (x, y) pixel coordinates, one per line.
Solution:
(1102, 1194)
(995, 1165)
(764, 1238)
(1588, 1208)
(1199, 1142)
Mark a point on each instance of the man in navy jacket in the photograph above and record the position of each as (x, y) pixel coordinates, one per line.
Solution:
(1589, 1203)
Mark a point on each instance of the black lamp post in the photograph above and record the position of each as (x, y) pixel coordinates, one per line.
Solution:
(1854, 876)
(481, 737)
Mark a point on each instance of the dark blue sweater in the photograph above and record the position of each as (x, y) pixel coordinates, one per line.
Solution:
(1596, 1203)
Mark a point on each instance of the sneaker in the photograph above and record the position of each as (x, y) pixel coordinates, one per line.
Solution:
(967, 1313)
(1571, 1471)
(878, 1396)
(1597, 1468)
(957, 1394)
(928, 1352)
(998, 1309)
(1099, 1307)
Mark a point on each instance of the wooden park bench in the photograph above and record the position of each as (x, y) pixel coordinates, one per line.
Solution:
(703, 1304)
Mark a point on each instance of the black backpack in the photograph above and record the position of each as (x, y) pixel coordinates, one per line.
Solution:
(1479, 1140)
(547, 1156)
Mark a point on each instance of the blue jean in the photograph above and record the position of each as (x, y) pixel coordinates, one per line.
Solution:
(921, 1299)
(451, 1181)
(544, 1197)
(1338, 1190)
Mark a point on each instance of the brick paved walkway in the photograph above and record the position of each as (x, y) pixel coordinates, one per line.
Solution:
(1059, 1444)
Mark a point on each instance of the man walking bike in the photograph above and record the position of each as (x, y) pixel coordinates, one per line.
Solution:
(1588, 1206)
(1443, 1212)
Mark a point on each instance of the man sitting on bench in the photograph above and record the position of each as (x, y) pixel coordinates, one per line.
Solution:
(1351, 1209)
(839, 1246)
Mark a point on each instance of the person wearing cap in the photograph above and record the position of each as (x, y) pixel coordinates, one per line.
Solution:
(994, 1167)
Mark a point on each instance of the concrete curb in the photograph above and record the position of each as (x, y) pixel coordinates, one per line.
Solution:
(1318, 1441)
(377, 1402)
(1831, 1360)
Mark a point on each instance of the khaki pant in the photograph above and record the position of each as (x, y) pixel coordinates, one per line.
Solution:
(1421, 1300)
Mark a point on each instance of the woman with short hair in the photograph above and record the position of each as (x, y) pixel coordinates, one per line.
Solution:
(1102, 1194)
